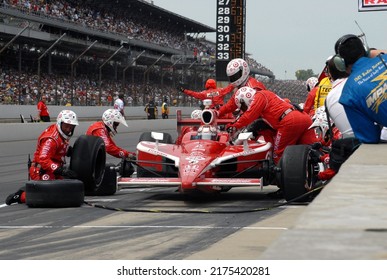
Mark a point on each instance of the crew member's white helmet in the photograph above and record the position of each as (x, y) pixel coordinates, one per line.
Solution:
(243, 97)
(112, 118)
(238, 72)
(320, 120)
(311, 83)
(196, 114)
(69, 117)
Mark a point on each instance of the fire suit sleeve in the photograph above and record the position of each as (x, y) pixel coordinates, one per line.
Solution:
(110, 146)
(229, 107)
(225, 90)
(48, 151)
(309, 102)
(198, 95)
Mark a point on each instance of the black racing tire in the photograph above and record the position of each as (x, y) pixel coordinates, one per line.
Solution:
(296, 174)
(54, 193)
(109, 182)
(88, 160)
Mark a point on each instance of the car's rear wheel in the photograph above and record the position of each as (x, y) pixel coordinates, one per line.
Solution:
(296, 173)
(88, 161)
(55, 193)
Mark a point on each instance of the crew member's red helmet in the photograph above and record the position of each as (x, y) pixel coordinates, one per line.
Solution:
(210, 84)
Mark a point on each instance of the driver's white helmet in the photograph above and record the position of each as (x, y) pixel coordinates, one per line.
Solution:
(243, 97)
(311, 83)
(112, 116)
(238, 72)
(196, 114)
(69, 117)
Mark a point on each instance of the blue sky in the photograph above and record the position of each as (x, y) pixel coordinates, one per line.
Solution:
(286, 35)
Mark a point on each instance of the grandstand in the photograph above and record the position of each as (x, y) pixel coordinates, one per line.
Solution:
(85, 52)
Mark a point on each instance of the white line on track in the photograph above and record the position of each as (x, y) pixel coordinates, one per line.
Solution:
(112, 227)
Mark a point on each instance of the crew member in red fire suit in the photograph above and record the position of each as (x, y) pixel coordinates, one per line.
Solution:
(311, 87)
(238, 72)
(49, 162)
(211, 92)
(106, 129)
(292, 126)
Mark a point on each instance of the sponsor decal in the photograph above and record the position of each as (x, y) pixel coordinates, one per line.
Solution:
(213, 94)
(191, 168)
(372, 5)
(378, 95)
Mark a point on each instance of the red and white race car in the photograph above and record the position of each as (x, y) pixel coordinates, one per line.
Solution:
(207, 160)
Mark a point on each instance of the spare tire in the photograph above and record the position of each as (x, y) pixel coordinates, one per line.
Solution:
(55, 193)
(88, 160)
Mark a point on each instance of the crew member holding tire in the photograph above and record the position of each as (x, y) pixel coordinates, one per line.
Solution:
(106, 129)
(53, 146)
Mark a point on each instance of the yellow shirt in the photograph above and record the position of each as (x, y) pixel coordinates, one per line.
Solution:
(324, 87)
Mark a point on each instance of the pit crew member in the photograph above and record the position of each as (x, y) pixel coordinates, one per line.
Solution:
(291, 125)
(106, 129)
(238, 72)
(52, 147)
(211, 92)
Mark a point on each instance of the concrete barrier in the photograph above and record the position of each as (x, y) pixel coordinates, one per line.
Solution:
(31, 131)
(348, 219)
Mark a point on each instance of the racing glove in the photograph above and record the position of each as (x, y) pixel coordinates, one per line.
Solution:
(231, 128)
(131, 157)
(69, 152)
(67, 173)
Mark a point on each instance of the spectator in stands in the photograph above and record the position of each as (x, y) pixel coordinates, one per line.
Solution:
(48, 162)
(363, 95)
(238, 72)
(210, 92)
(43, 113)
(291, 125)
(119, 104)
(106, 129)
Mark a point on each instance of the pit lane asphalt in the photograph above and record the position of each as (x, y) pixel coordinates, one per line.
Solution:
(89, 233)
